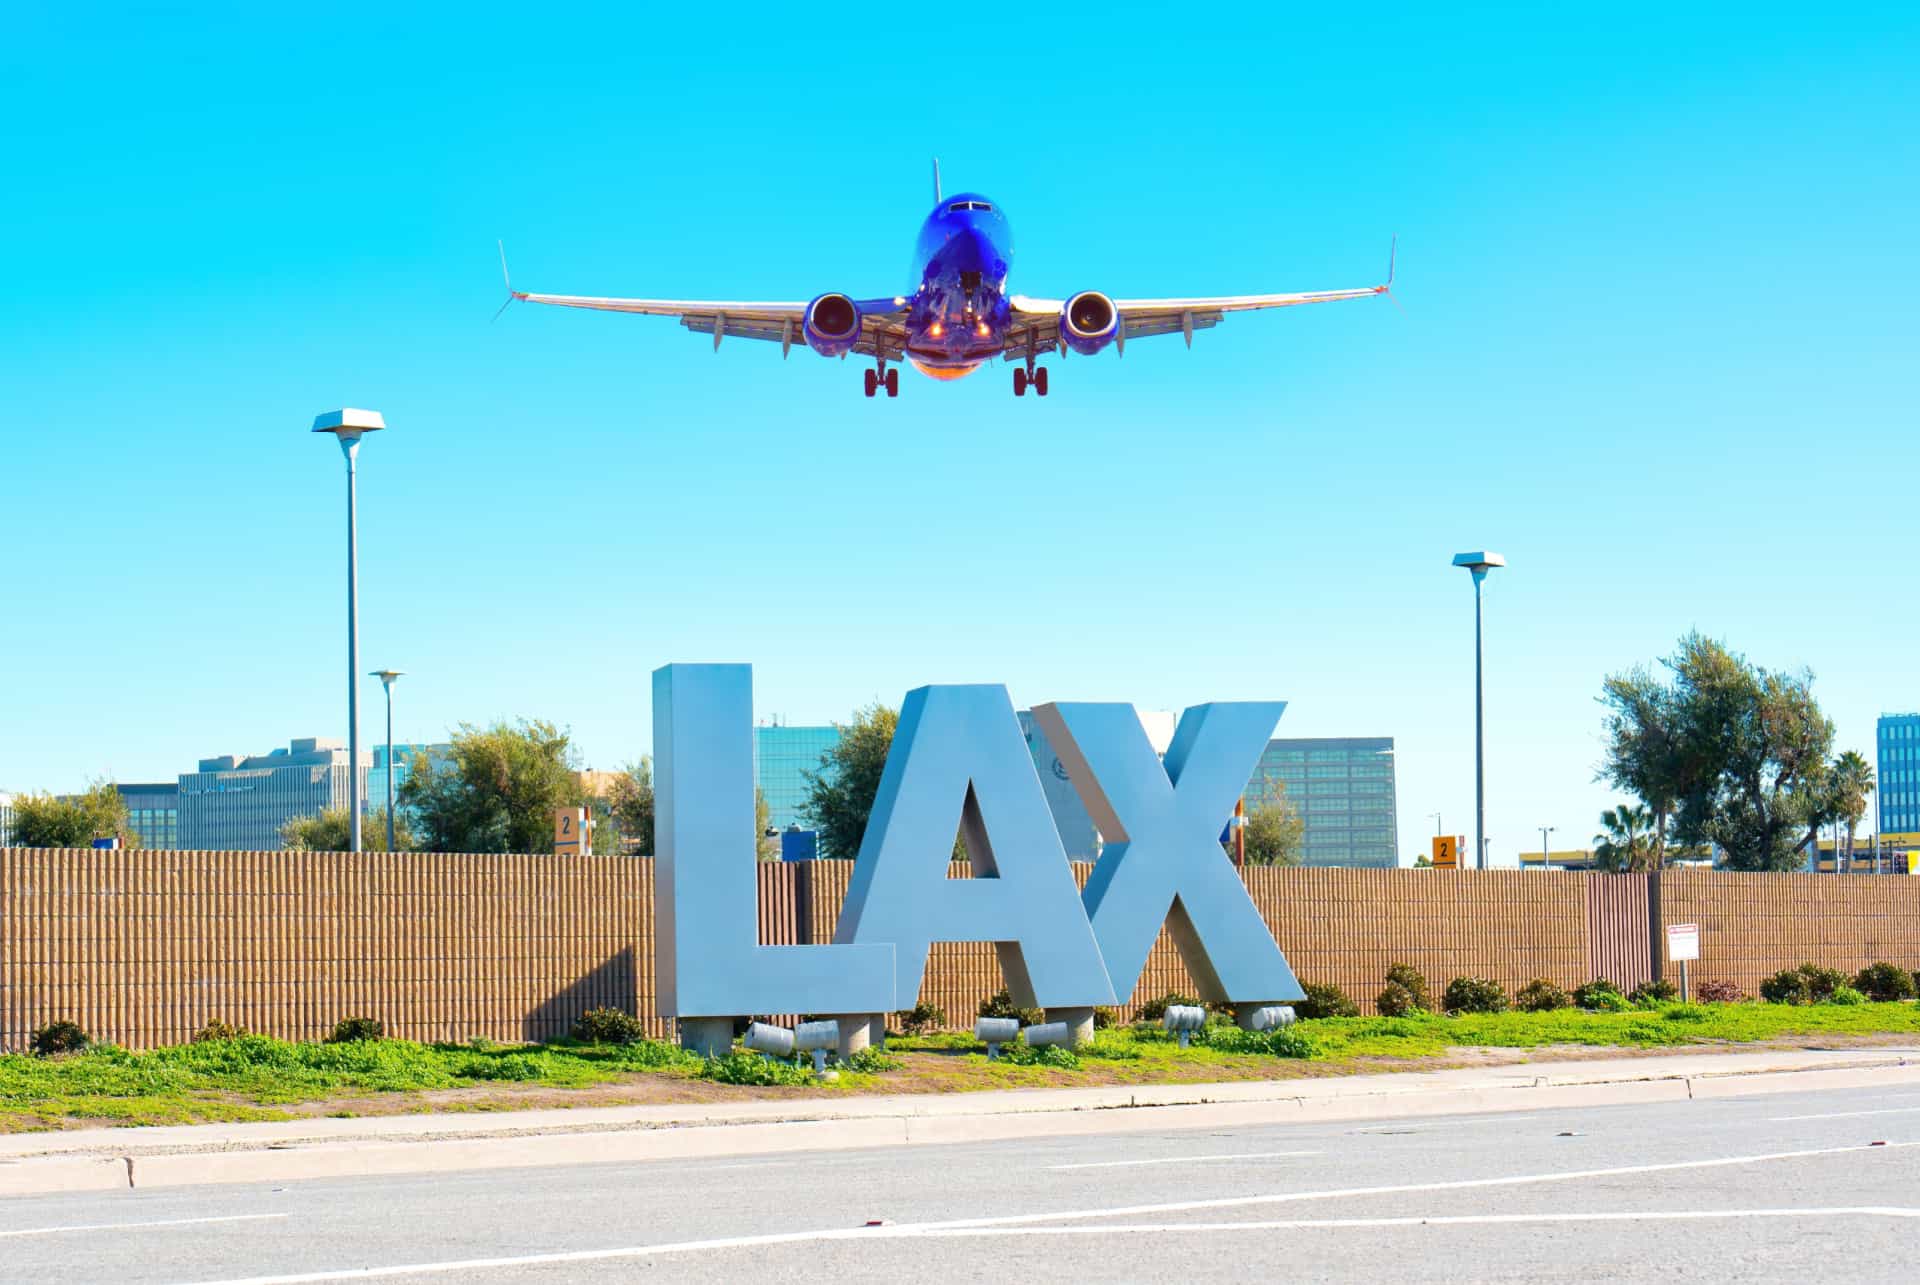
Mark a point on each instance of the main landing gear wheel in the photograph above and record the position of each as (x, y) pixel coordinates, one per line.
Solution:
(1036, 381)
(893, 383)
(873, 382)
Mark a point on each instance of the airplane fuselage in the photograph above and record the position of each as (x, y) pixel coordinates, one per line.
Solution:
(958, 314)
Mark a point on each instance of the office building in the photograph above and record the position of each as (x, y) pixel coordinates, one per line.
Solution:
(1343, 789)
(782, 756)
(404, 757)
(241, 803)
(1897, 773)
(6, 819)
(153, 814)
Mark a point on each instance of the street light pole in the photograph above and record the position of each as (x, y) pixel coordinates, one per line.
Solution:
(349, 426)
(1479, 563)
(386, 677)
(1546, 852)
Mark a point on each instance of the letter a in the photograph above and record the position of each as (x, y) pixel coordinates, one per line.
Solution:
(1163, 862)
(707, 954)
(959, 764)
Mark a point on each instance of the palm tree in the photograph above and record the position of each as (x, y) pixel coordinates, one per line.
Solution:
(1630, 842)
(1853, 782)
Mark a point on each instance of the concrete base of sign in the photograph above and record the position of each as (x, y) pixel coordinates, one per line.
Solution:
(861, 1030)
(1243, 1013)
(1080, 1020)
(707, 1036)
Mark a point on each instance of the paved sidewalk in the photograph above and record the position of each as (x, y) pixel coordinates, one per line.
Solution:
(98, 1159)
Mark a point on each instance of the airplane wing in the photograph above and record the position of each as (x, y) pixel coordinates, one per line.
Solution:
(1036, 322)
(779, 322)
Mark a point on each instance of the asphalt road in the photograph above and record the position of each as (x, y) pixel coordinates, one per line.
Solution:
(1786, 1187)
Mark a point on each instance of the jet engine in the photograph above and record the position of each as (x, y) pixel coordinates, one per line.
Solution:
(1089, 322)
(832, 325)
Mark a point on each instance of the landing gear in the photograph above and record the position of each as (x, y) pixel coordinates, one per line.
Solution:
(880, 377)
(1036, 381)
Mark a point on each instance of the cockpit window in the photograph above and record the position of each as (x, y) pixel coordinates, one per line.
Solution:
(970, 205)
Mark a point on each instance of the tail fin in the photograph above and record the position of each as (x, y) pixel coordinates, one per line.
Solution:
(936, 180)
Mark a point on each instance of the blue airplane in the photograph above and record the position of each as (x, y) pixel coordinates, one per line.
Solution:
(959, 315)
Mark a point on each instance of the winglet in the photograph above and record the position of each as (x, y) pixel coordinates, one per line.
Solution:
(512, 294)
(1393, 250)
(936, 180)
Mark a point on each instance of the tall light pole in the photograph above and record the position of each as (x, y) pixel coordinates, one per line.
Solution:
(1479, 563)
(1438, 828)
(386, 677)
(349, 426)
(1546, 853)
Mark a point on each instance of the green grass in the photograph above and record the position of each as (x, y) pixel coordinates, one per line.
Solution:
(256, 1078)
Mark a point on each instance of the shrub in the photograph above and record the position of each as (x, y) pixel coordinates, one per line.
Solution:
(608, 1026)
(1396, 1001)
(1822, 982)
(1807, 984)
(59, 1037)
(1415, 982)
(871, 1060)
(1600, 996)
(921, 1018)
(1650, 993)
(1788, 986)
(350, 1030)
(215, 1029)
(1000, 1004)
(1104, 1019)
(1845, 995)
(1052, 1055)
(1718, 991)
(1540, 996)
(750, 1068)
(1281, 1041)
(1325, 1000)
(1155, 1009)
(1884, 983)
(1475, 995)
(1686, 1013)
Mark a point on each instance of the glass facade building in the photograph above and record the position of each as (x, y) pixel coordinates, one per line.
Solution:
(241, 803)
(1897, 773)
(153, 814)
(781, 758)
(1343, 790)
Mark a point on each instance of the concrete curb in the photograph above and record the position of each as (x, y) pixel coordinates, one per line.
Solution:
(306, 1150)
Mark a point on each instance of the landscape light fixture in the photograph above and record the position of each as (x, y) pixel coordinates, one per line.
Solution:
(1046, 1033)
(386, 677)
(1183, 1020)
(1479, 563)
(995, 1031)
(349, 426)
(1271, 1017)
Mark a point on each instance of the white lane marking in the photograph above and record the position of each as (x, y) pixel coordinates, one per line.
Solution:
(160, 1222)
(908, 1230)
(1438, 1220)
(1843, 1115)
(1184, 1160)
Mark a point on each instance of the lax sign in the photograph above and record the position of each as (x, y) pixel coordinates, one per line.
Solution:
(959, 764)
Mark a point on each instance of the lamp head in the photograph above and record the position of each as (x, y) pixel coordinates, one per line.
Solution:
(386, 676)
(1479, 563)
(349, 425)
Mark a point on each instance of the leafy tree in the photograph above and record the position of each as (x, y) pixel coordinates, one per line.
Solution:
(630, 801)
(1737, 754)
(840, 795)
(766, 846)
(1629, 842)
(1275, 834)
(332, 831)
(43, 821)
(495, 790)
(1852, 778)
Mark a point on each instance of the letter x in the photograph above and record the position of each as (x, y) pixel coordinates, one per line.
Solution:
(1163, 863)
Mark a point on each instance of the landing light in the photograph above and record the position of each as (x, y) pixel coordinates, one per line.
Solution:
(935, 330)
(983, 330)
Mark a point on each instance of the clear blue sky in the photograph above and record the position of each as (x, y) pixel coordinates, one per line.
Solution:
(1658, 347)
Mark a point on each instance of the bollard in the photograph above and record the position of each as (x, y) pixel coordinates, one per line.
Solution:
(1056, 1033)
(773, 1041)
(995, 1031)
(816, 1038)
(1270, 1017)
(1183, 1020)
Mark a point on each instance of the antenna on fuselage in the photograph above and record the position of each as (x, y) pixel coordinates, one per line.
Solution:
(936, 180)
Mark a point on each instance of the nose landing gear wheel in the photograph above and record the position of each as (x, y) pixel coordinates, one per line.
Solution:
(872, 382)
(893, 383)
(1019, 382)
